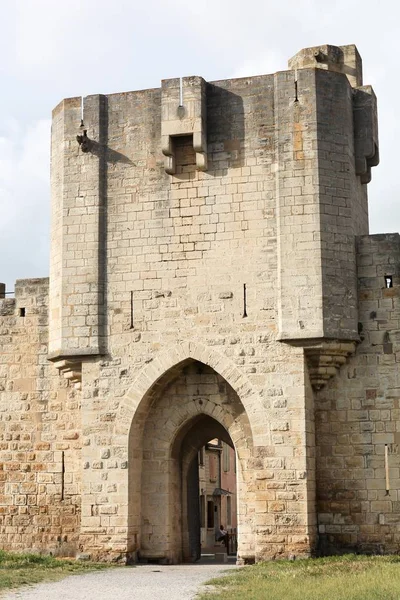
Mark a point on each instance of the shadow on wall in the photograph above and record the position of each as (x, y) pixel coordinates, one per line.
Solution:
(225, 130)
(111, 156)
(106, 156)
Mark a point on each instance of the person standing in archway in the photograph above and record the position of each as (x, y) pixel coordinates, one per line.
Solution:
(223, 536)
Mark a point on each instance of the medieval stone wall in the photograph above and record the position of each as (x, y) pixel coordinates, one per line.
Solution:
(39, 432)
(179, 250)
(200, 244)
(357, 415)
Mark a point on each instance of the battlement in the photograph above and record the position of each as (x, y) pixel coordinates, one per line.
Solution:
(338, 59)
(27, 293)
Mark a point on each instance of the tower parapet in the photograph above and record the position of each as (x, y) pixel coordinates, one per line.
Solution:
(326, 144)
(339, 59)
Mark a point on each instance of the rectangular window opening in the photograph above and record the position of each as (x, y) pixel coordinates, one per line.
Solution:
(201, 457)
(202, 511)
(229, 511)
(212, 465)
(388, 281)
(22, 312)
(226, 457)
(185, 156)
(210, 514)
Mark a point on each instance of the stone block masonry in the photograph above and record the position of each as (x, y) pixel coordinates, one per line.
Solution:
(40, 432)
(357, 416)
(203, 283)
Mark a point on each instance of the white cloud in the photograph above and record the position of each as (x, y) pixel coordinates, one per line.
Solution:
(52, 50)
(24, 193)
(270, 62)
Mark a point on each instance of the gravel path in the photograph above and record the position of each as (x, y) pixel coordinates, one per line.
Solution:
(147, 582)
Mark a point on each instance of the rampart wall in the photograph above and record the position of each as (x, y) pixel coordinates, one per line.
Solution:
(40, 431)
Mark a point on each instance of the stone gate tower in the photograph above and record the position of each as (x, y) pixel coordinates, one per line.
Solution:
(203, 284)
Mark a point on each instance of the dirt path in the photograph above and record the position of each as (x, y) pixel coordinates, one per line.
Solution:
(149, 582)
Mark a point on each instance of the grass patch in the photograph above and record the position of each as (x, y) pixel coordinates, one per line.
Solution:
(347, 577)
(23, 569)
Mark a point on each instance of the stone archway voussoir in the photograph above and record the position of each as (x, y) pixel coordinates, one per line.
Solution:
(146, 380)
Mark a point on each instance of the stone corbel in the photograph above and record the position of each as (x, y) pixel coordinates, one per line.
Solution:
(183, 112)
(200, 147)
(71, 369)
(169, 155)
(325, 358)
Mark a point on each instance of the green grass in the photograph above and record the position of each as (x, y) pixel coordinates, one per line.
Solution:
(347, 577)
(22, 569)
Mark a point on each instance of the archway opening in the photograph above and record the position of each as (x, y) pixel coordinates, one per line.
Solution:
(207, 461)
(189, 407)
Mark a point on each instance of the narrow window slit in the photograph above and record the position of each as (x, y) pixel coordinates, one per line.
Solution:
(132, 312)
(388, 281)
(387, 470)
(244, 301)
(296, 99)
(22, 312)
(62, 474)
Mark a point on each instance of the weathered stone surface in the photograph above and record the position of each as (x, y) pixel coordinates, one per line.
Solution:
(203, 284)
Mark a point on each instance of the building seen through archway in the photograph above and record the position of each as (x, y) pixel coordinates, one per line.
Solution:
(218, 498)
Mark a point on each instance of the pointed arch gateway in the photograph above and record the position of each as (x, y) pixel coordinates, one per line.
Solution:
(185, 407)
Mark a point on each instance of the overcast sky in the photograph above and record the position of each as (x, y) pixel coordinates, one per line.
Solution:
(51, 49)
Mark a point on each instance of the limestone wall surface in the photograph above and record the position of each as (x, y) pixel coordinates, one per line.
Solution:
(202, 282)
(39, 432)
(180, 248)
(357, 416)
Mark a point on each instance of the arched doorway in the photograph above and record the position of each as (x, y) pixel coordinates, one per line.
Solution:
(187, 407)
(200, 522)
